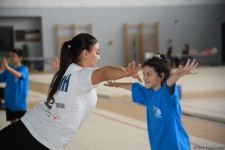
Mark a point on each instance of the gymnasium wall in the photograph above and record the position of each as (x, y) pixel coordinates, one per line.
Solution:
(198, 25)
(104, 3)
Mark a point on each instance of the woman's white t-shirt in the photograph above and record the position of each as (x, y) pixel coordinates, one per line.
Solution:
(54, 124)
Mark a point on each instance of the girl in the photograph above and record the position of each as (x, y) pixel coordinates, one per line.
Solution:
(71, 99)
(161, 99)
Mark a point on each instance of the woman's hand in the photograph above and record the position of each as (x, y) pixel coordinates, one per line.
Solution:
(132, 69)
(138, 77)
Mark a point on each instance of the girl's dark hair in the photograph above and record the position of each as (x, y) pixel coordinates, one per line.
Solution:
(160, 65)
(70, 53)
(17, 51)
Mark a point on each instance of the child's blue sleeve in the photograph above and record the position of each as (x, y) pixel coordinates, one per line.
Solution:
(139, 94)
(24, 72)
(3, 76)
(176, 95)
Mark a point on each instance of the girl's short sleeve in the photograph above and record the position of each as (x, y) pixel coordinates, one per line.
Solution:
(139, 94)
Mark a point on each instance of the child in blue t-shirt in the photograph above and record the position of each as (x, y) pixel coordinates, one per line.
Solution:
(16, 78)
(161, 98)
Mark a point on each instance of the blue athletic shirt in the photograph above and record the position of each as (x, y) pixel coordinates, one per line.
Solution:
(165, 129)
(16, 90)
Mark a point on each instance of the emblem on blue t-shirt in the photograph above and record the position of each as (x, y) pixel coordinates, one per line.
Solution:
(157, 112)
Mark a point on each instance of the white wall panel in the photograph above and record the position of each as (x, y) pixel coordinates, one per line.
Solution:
(104, 3)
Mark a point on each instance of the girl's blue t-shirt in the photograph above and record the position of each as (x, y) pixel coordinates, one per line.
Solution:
(16, 90)
(164, 114)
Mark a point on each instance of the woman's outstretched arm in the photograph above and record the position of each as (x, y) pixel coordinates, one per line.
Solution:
(113, 73)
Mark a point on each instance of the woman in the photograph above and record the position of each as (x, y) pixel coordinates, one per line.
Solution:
(71, 98)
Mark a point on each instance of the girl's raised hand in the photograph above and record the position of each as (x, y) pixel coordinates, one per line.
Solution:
(187, 69)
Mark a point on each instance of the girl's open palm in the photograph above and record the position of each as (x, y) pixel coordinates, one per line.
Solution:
(187, 69)
(182, 71)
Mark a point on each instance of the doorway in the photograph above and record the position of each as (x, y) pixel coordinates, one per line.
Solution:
(223, 42)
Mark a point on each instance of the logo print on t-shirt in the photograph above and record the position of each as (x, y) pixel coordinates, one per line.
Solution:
(64, 84)
(50, 103)
(157, 112)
